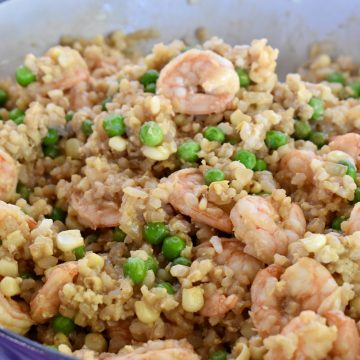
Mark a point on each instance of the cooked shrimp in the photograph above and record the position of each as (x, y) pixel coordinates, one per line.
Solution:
(159, 350)
(259, 225)
(353, 223)
(218, 304)
(349, 143)
(304, 337)
(295, 167)
(46, 302)
(278, 295)
(347, 337)
(94, 214)
(187, 186)
(198, 82)
(8, 176)
(13, 317)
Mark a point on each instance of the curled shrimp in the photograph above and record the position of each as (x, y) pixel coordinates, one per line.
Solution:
(46, 302)
(295, 167)
(259, 225)
(353, 223)
(277, 295)
(93, 213)
(187, 186)
(244, 266)
(8, 176)
(13, 317)
(198, 82)
(348, 143)
(159, 350)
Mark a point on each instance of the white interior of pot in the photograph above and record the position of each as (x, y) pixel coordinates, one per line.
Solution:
(290, 25)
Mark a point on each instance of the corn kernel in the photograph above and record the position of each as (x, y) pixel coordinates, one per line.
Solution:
(95, 261)
(96, 342)
(10, 286)
(8, 267)
(314, 242)
(117, 143)
(68, 240)
(72, 147)
(145, 313)
(193, 299)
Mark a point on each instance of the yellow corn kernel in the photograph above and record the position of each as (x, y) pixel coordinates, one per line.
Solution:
(314, 242)
(72, 147)
(10, 286)
(145, 313)
(158, 153)
(95, 261)
(9, 267)
(96, 342)
(193, 299)
(69, 240)
(117, 143)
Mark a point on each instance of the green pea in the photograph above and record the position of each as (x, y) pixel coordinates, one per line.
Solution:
(188, 151)
(260, 165)
(356, 195)
(243, 77)
(57, 214)
(155, 233)
(172, 247)
(79, 252)
(336, 77)
(274, 139)
(167, 286)
(114, 125)
(118, 235)
(151, 134)
(152, 264)
(318, 138)
(336, 224)
(51, 151)
(26, 275)
(23, 190)
(318, 108)
(15, 113)
(302, 130)
(92, 238)
(69, 115)
(355, 89)
(63, 324)
(19, 120)
(105, 102)
(218, 355)
(3, 97)
(213, 133)
(150, 88)
(24, 76)
(149, 77)
(135, 269)
(86, 127)
(247, 158)
(350, 168)
(52, 137)
(181, 261)
(213, 175)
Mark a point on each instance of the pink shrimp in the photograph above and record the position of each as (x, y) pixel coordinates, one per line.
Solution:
(349, 143)
(8, 176)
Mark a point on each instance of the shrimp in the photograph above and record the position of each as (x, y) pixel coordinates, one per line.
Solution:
(304, 337)
(348, 143)
(347, 338)
(353, 223)
(159, 350)
(278, 295)
(13, 317)
(94, 214)
(218, 304)
(295, 166)
(46, 302)
(198, 82)
(245, 268)
(8, 176)
(259, 225)
(187, 186)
